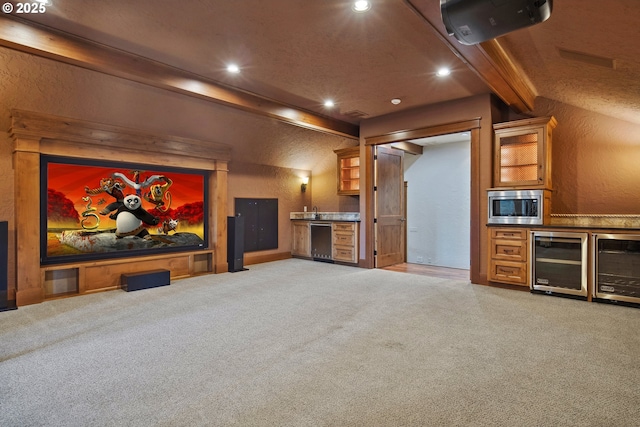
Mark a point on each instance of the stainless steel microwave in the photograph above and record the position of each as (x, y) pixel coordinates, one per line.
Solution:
(516, 207)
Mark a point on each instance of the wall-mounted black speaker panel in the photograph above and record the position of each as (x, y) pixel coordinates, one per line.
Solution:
(260, 223)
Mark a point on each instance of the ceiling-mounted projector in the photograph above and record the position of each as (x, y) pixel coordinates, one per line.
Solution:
(475, 21)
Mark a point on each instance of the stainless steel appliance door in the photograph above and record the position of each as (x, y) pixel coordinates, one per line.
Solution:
(559, 262)
(617, 267)
(321, 241)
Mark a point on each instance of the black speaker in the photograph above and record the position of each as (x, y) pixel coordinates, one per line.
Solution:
(235, 243)
(475, 21)
(5, 304)
(145, 280)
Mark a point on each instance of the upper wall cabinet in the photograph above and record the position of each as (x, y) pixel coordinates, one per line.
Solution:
(522, 153)
(348, 171)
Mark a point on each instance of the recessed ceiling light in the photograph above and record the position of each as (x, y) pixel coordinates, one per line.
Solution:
(361, 6)
(396, 101)
(233, 68)
(444, 71)
(329, 103)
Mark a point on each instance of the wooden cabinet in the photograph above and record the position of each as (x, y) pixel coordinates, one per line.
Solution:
(522, 153)
(348, 171)
(344, 242)
(508, 255)
(301, 239)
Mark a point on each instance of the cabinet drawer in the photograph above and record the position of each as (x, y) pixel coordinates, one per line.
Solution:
(508, 272)
(511, 250)
(509, 233)
(344, 239)
(344, 226)
(344, 253)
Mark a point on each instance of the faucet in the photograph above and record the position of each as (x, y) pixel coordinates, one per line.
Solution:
(315, 212)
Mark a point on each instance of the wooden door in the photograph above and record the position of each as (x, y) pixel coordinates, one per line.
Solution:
(389, 206)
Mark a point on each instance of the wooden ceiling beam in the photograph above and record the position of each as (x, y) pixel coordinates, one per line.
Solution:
(24, 36)
(488, 60)
(408, 147)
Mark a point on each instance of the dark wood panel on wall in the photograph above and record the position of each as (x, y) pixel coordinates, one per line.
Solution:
(260, 223)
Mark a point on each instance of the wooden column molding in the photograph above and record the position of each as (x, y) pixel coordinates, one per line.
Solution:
(26, 163)
(218, 230)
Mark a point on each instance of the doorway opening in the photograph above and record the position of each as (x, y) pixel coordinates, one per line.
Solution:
(438, 205)
(401, 140)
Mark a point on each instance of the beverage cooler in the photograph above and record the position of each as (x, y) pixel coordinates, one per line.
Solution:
(558, 263)
(616, 271)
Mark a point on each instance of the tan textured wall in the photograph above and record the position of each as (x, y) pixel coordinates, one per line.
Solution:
(36, 84)
(596, 161)
(325, 187)
(269, 182)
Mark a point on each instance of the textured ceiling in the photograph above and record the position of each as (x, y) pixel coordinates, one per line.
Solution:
(593, 35)
(298, 52)
(302, 52)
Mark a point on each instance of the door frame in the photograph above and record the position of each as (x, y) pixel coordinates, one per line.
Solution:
(473, 127)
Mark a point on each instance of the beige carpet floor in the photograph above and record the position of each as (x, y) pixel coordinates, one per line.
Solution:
(302, 343)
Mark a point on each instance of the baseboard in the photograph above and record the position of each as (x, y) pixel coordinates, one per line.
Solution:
(260, 258)
(29, 296)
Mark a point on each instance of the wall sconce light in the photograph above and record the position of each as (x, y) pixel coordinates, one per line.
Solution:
(305, 181)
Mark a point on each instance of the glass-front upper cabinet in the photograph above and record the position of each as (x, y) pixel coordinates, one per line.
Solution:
(348, 171)
(522, 153)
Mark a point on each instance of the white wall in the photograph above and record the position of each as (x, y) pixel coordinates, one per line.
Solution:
(438, 205)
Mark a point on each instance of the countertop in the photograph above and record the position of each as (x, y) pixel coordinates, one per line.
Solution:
(326, 216)
(585, 222)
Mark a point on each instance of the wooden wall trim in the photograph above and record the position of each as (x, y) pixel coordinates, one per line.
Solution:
(27, 223)
(36, 39)
(256, 258)
(406, 135)
(370, 244)
(218, 182)
(477, 195)
(30, 126)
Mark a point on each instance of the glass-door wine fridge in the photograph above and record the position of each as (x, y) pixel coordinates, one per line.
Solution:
(616, 267)
(558, 263)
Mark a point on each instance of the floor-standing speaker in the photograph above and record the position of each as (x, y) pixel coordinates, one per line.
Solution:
(235, 243)
(4, 267)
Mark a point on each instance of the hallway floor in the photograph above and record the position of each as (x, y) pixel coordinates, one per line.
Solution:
(430, 270)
